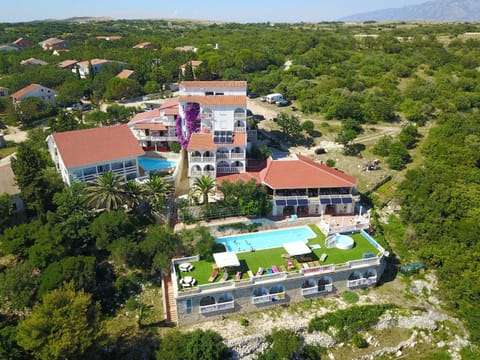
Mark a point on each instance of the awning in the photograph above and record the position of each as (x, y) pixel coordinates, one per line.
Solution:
(226, 259)
(347, 200)
(336, 200)
(291, 202)
(325, 201)
(297, 248)
(151, 126)
(280, 202)
(302, 201)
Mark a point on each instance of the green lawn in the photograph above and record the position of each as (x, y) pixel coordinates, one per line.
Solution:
(7, 151)
(269, 257)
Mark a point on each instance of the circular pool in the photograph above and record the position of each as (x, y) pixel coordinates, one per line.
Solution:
(344, 242)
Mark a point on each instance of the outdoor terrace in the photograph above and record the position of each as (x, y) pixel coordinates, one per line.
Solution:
(251, 261)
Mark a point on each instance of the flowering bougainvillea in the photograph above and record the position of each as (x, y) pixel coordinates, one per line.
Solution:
(192, 117)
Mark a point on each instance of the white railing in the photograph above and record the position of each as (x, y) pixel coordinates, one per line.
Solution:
(314, 290)
(268, 298)
(202, 159)
(240, 129)
(221, 155)
(230, 169)
(293, 197)
(196, 173)
(362, 282)
(217, 307)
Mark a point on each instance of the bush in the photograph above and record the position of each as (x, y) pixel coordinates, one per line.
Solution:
(330, 163)
(244, 322)
(350, 297)
(359, 341)
(175, 147)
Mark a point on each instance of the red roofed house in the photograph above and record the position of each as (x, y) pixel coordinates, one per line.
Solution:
(82, 155)
(195, 64)
(67, 64)
(155, 129)
(53, 44)
(22, 43)
(144, 45)
(83, 67)
(299, 185)
(3, 91)
(125, 74)
(34, 90)
(212, 126)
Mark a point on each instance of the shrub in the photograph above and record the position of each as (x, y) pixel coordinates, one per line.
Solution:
(350, 297)
(244, 322)
(359, 341)
(175, 147)
(330, 163)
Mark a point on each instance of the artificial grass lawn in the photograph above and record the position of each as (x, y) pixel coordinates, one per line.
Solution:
(269, 257)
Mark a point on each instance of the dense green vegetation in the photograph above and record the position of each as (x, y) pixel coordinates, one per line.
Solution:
(410, 74)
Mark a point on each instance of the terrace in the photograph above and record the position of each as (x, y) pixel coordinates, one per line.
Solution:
(284, 265)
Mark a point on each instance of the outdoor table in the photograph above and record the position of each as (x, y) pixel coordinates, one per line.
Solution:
(185, 267)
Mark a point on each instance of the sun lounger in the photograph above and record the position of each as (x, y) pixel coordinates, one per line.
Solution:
(290, 264)
(270, 271)
(260, 271)
(299, 266)
(214, 276)
(238, 276)
(275, 269)
(305, 266)
(283, 268)
(250, 274)
(316, 263)
(323, 257)
(311, 264)
(224, 277)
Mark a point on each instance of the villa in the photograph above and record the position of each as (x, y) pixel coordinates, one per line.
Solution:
(82, 155)
(83, 67)
(53, 44)
(34, 90)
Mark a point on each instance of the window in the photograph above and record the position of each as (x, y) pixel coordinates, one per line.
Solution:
(186, 305)
(129, 163)
(89, 171)
(117, 166)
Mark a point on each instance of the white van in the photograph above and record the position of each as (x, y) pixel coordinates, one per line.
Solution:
(273, 98)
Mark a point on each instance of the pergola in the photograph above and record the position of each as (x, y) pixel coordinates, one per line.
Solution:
(297, 248)
(226, 259)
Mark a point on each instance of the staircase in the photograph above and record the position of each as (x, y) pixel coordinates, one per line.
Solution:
(170, 303)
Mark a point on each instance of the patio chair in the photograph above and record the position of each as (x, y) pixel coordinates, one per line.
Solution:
(250, 274)
(323, 257)
(283, 268)
(270, 271)
(239, 275)
(290, 264)
(275, 269)
(224, 277)
(260, 271)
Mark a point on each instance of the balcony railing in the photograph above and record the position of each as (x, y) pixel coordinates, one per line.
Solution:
(268, 298)
(240, 129)
(227, 155)
(229, 170)
(362, 282)
(207, 309)
(202, 159)
(196, 173)
(314, 290)
(170, 137)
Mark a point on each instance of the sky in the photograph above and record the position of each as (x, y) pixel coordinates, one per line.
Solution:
(242, 11)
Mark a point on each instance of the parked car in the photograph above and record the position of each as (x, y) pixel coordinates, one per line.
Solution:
(263, 98)
(252, 95)
(249, 112)
(86, 107)
(283, 102)
(258, 117)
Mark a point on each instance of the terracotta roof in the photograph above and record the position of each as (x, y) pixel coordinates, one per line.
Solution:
(26, 90)
(33, 61)
(216, 100)
(125, 74)
(302, 172)
(7, 181)
(52, 41)
(151, 114)
(143, 44)
(171, 111)
(66, 63)
(246, 176)
(89, 146)
(173, 102)
(204, 141)
(242, 84)
(151, 126)
(94, 61)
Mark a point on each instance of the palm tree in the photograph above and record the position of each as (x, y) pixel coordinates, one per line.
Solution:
(157, 192)
(204, 185)
(106, 192)
(134, 194)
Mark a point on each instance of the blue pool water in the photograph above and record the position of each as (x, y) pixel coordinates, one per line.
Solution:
(266, 239)
(151, 164)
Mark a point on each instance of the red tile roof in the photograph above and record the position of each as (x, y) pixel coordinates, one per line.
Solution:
(151, 114)
(216, 100)
(125, 74)
(246, 177)
(173, 102)
(66, 63)
(241, 84)
(52, 41)
(151, 126)
(89, 146)
(302, 172)
(204, 141)
(26, 90)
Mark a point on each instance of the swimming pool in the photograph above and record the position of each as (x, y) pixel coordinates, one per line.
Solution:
(344, 242)
(151, 164)
(266, 239)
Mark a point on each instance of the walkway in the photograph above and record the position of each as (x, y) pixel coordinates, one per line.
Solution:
(170, 304)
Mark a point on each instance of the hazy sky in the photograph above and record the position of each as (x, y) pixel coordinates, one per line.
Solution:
(220, 10)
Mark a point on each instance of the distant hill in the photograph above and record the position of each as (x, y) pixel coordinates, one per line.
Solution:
(439, 10)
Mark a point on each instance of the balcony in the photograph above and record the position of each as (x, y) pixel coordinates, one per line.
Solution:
(315, 290)
(168, 137)
(196, 173)
(202, 159)
(227, 155)
(207, 309)
(268, 298)
(240, 129)
(230, 170)
(362, 282)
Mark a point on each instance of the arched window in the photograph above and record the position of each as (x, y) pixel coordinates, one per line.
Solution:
(308, 284)
(207, 300)
(225, 297)
(355, 275)
(260, 292)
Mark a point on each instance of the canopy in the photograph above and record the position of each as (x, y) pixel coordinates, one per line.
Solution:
(296, 248)
(226, 259)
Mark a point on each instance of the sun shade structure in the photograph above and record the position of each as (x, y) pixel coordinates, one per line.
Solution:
(226, 259)
(297, 248)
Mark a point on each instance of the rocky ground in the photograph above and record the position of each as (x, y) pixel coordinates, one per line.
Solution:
(419, 327)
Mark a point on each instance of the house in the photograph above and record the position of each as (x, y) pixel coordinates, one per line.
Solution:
(83, 67)
(22, 43)
(186, 48)
(3, 91)
(82, 155)
(8, 186)
(195, 64)
(310, 188)
(34, 90)
(8, 48)
(125, 74)
(144, 45)
(211, 126)
(33, 61)
(109, 37)
(67, 64)
(52, 44)
(155, 129)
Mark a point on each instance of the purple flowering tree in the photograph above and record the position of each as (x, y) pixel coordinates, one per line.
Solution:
(192, 117)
